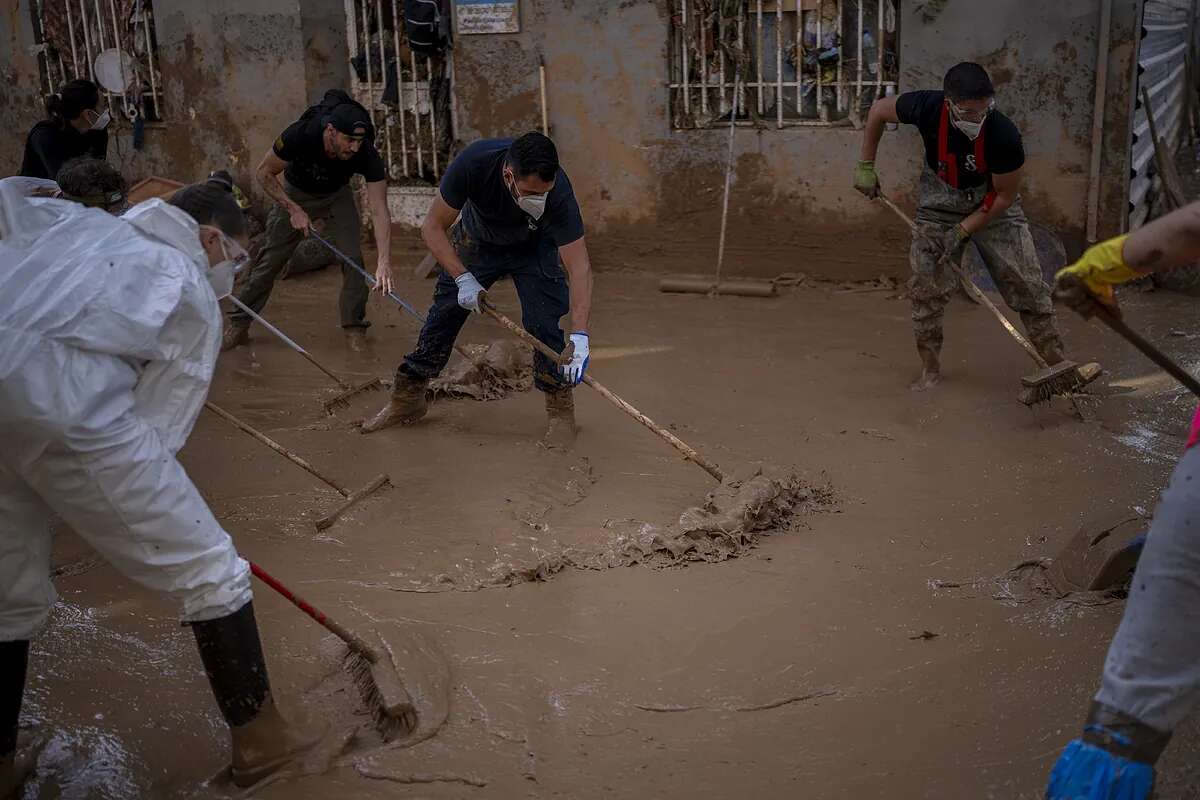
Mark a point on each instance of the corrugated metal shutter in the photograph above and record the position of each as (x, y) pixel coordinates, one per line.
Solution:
(1162, 70)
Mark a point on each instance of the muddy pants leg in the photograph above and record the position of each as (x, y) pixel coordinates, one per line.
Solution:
(446, 317)
(545, 297)
(347, 233)
(1008, 252)
(282, 240)
(1152, 672)
(930, 288)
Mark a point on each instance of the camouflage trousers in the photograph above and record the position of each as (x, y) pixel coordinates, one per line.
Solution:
(1006, 247)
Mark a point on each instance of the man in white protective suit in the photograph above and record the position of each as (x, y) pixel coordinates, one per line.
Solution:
(109, 332)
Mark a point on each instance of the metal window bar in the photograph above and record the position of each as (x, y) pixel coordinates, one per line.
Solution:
(399, 91)
(828, 65)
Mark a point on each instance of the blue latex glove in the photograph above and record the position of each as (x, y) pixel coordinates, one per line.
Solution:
(574, 369)
(1087, 772)
(469, 290)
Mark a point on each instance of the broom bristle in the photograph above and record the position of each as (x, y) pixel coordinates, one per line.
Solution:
(389, 727)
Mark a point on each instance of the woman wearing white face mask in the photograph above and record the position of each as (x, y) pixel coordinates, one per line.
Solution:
(969, 191)
(107, 349)
(73, 127)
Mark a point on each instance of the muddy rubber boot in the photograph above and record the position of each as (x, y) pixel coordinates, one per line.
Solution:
(16, 763)
(407, 404)
(560, 413)
(236, 334)
(931, 368)
(356, 339)
(1051, 350)
(262, 741)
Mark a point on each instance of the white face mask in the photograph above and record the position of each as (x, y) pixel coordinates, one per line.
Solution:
(533, 204)
(102, 121)
(970, 129)
(220, 275)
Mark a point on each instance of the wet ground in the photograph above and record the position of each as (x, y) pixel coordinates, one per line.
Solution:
(870, 648)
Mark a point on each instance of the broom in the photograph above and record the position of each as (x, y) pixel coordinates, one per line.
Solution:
(371, 669)
(1064, 378)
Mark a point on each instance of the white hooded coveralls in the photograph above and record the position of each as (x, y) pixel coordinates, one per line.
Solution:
(109, 333)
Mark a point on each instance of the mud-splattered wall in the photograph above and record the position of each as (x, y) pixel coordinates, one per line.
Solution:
(637, 178)
(234, 73)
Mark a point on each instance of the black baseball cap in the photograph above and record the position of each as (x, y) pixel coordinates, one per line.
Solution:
(352, 120)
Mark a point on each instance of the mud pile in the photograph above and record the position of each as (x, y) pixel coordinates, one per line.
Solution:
(493, 371)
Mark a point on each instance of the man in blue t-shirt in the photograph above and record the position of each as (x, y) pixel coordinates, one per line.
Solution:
(969, 192)
(519, 216)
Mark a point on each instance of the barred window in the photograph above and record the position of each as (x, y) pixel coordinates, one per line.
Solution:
(789, 62)
(111, 42)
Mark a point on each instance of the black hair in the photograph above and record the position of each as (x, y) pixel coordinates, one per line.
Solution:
(93, 182)
(212, 203)
(968, 81)
(533, 154)
(72, 99)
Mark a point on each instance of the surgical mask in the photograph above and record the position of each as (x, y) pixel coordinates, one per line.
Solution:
(534, 204)
(220, 275)
(102, 121)
(970, 129)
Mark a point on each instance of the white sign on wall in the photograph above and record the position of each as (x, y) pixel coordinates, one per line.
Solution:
(488, 16)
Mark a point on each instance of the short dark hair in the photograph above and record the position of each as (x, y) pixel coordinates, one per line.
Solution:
(93, 182)
(72, 99)
(968, 81)
(212, 203)
(533, 154)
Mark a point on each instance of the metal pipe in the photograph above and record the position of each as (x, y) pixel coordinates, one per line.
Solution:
(1098, 108)
(87, 36)
(860, 59)
(779, 64)
(71, 33)
(800, 58)
(683, 52)
(387, 117)
(721, 56)
(841, 48)
(108, 98)
(150, 55)
(417, 116)
(433, 114)
(366, 38)
(400, 88)
(739, 103)
(120, 53)
(704, 66)
(759, 19)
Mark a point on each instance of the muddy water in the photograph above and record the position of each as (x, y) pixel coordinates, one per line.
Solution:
(829, 660)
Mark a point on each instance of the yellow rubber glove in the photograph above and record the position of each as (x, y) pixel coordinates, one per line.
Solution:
(1100, 269)
(866, 180)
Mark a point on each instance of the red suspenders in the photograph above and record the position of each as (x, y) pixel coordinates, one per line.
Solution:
(948, 163)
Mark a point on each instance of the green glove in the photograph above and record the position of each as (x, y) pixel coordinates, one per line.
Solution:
(866, 180)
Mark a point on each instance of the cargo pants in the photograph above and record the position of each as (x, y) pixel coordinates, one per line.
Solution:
(1007, 249)
(282, 240)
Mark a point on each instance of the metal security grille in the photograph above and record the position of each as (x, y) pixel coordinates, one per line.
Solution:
(409, 95)
(1162, 71)
(72, 35)
(790, 62)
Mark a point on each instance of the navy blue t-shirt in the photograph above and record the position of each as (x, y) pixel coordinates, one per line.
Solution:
(1002, 145)
(474, 184)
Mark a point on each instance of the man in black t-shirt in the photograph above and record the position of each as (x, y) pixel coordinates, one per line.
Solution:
(519, 216)
(969, 192)
(317, 155)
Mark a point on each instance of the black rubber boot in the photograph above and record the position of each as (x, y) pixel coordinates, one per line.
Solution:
(262, 741)
(14, 770)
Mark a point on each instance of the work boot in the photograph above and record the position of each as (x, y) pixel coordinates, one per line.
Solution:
(1051, 350)
(237, 333)
(262, 741)
(931, 368)
(407, 404)
(356, 339)
(560, 413)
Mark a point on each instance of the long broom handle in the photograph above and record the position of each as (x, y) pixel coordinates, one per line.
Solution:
(352, 641)
(287, 340)
(348, 261)
(675, 441)
(970, 286)
(1118, 326)
(278, 448)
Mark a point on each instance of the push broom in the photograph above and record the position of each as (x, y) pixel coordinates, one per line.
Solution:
(1064, 378)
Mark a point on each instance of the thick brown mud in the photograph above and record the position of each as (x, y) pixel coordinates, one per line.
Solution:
(622, 648)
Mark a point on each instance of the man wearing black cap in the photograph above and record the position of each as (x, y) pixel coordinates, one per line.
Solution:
(317, 156)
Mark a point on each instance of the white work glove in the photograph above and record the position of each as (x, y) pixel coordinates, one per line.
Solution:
(573, 370)
(469, 290)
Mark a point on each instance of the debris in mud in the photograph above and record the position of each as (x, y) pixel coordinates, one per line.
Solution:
(730, 522)
(772, 704)
(924, 636)
(493, 371)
